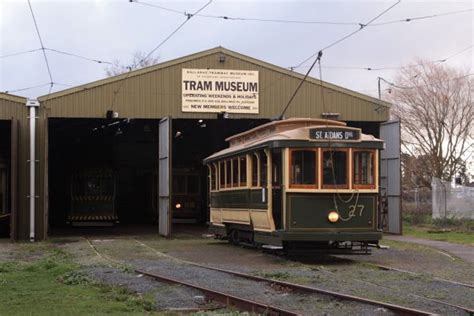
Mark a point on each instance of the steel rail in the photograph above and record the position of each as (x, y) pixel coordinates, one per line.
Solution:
(387, 268)
(309, 289)
(227, 299)
(303, 288)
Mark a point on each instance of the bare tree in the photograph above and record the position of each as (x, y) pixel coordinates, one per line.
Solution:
(139, 60)
(435, 105)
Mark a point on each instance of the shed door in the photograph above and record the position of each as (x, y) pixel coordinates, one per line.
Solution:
(390, 176)
(164, 176)
(14, 180)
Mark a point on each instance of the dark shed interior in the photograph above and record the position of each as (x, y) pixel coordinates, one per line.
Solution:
(5, 164)
(117, 160)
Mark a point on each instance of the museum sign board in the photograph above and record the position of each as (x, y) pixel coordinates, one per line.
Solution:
(220, 90)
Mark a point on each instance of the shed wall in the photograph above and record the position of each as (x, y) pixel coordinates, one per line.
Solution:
(157, 93)
(12, 109)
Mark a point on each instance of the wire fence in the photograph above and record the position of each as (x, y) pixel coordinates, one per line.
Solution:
(450, 201)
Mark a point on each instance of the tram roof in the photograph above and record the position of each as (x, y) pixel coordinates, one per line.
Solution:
(294, 129)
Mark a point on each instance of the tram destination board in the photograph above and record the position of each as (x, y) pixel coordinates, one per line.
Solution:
(333, 134)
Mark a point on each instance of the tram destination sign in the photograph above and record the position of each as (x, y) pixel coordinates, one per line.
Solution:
(220, 90)
(333, 134)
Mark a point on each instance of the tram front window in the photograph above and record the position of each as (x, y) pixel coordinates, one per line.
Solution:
(303, 167)
(363, 167)
(334, 168)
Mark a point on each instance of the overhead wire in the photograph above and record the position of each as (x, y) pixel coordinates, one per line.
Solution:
(424, 85)
(189, 16)
(320, 53)
(78, 56)
(392, 67)
(361, 27)
(42, 47)
(21, 53)
(27, 88)
(239, 18)
(422, 17)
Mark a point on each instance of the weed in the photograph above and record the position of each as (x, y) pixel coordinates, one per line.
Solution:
(75, 278)
(279, 275)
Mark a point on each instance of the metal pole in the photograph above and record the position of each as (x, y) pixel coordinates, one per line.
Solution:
(32, 105)
(380, 93)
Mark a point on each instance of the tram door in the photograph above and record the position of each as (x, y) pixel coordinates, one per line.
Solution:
(277, 187)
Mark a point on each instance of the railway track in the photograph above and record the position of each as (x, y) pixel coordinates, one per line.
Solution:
(242, 303)
(387, 268)
(254, 306)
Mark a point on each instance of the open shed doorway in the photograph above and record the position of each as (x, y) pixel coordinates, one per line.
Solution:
(101, 173)
(5, 178)
(192, 140)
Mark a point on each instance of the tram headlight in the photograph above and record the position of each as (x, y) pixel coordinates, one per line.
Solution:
(178, 206)
(333, 216)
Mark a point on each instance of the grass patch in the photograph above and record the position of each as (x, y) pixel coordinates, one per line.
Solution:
(437, 233)
(54, 285)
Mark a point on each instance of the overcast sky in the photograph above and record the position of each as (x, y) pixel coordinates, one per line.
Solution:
(114, 29)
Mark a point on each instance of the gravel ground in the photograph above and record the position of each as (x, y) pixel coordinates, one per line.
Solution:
(348, 274)
(264, 292)
(167, 297)
(258, 291)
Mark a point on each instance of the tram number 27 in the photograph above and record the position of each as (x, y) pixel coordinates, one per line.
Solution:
(356, 210)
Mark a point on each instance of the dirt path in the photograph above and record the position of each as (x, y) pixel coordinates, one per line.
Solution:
(460, 251)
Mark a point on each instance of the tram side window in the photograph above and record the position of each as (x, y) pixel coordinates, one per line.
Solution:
(228, 172)
(303, 168)
(363, 168)
(254, 171)
(235, 172)
(263, 169)
(335, 169)
(243, 171)
(212, 177)
(216, 172)
(222, 174)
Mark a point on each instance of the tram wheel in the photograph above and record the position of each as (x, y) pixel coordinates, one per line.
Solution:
(234, 236)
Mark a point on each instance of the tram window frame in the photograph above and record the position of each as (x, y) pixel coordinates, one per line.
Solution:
(316, 173)
(235, 172)
(242, 171)
(216, 170)
(255, 170)
(222, 177)
(228, 173)
(263, 181)
(373, 171)
(347, 173)
(212, 177)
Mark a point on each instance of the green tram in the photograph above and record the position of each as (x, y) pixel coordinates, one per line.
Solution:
(302, 185)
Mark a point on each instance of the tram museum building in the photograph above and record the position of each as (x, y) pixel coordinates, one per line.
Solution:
(151, 128)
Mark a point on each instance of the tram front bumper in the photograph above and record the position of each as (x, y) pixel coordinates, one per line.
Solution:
(329, 236)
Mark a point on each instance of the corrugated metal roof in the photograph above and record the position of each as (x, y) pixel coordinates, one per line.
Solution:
(202, 54)
(12, 97)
